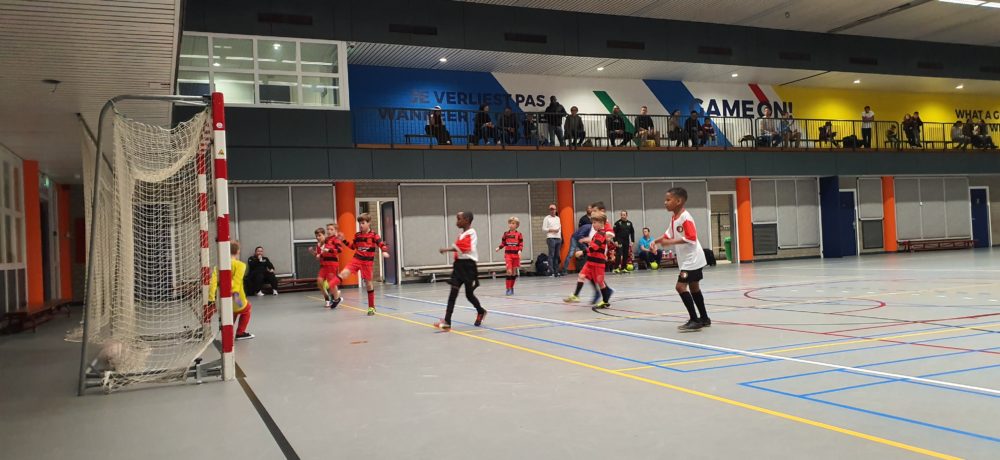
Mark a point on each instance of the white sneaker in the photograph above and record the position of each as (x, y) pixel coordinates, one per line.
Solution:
(274, 292)
(260, 294)
(329, 303)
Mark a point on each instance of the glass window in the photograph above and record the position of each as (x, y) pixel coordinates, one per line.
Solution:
(8, 238)
(18, 242)
(279, 89)
(232, 53)
(319, 57)
(17, 189)
(321, 91)
(237, 87)
(194, 51)
(276, 55)
(190, 83)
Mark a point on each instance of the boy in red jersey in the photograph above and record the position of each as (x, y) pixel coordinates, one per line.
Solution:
(365, 245)
(597, 259)
(465, 271)
(512, 243)
(328, 248)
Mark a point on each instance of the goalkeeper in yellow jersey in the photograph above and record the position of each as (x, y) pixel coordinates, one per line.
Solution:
(241, 306)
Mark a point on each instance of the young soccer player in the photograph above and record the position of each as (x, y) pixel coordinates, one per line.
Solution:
(464, 271)
(241, 305)
(690, 258)
(365, 245)
(512, 243)
(328, 248)
(609, 233)
(597, 259)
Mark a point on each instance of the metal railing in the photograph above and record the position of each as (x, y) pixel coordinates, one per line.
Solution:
(470, 128)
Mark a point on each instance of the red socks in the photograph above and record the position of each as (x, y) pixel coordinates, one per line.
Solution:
(371, 299)
(510, 281)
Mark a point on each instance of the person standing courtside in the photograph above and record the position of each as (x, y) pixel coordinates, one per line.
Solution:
(552, 227)
(624, 237)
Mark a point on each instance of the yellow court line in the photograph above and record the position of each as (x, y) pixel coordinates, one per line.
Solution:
(794, 418)
(821, 345)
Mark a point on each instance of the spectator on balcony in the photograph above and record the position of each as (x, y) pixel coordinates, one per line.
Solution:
(645, 129)
(958, 136)
(436, 128)
(508, 126)
(790, 134)
(692, 130)
(867, 119)
(615, 123)
(674, 131)
(827, 134)
(554, 116)
(484, 127)
(918, 128)
(574, 128)
(768, 130)
(982, 135)
(969, 131)
(708, 131)
(892, 137)
(909, 128)
(531, 129)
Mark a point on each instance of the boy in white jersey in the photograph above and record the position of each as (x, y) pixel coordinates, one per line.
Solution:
(690, 258)
(464, 271)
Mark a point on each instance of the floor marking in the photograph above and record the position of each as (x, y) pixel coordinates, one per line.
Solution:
(731, 350)
(265, 416)
(824, 345)
(732, 402)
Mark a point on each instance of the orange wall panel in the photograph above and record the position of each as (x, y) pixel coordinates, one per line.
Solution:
(33, 233)
(344, 193)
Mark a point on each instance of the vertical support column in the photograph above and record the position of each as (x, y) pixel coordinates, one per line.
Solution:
(744, 221)
(345, 194)
(65, 243)
(889, 241)
(225, 298)
(33, 233)
(564, 203)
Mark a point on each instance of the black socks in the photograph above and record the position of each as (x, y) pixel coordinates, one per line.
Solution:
(699, 300)
(689, 304)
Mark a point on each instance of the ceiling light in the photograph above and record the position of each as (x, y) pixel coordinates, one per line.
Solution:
(600, 69)
(992, 4)
(277, 46)
(443, 60)
(734, 75)
(965, 2)
(216, 64)
(857, 82)
(960, 87)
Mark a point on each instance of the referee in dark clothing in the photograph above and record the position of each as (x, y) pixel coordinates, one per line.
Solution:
(624, 237)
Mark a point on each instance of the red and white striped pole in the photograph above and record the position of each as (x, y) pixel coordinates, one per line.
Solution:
(206, 260)
(225, 298)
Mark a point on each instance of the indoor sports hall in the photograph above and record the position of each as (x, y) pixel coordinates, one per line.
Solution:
(539, 229)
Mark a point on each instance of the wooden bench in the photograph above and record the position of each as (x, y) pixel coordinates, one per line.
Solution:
(935, 245)
(295, 284)
(410, 137)
(35, 314)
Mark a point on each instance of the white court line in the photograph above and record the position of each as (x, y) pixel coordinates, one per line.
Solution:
(725, 349)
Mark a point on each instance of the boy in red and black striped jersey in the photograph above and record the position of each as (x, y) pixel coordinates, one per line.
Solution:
(366, 245)
(597, 259)
(327, 251)
(512, 243)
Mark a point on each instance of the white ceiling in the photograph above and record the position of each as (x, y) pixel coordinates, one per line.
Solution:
(929, 20)
(98, 49)
(537, 64)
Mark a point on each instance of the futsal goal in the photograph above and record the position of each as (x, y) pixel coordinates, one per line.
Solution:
(153, 192)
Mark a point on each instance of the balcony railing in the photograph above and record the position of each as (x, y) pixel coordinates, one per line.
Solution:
(396, 127)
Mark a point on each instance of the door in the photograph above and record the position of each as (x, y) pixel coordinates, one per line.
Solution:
(848, 225)
(980, 216)
(388, 214)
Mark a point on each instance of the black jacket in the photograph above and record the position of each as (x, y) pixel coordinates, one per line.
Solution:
(554, 113)
(614, 122)
(624, 232)
(584, 220)
(644, 122)
(482, 118)
(254, 265)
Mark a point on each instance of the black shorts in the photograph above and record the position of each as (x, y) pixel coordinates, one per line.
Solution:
(690, 276)
(465, 272)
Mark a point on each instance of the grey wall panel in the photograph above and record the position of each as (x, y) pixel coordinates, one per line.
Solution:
(447, 164)
(249, 163)
(350, 163)
(297, 127)
(247, 126)
(788, 233)
(627, 196)
(578, 163)
(654, 163)
(397, 164)
(731, 164)
(657, 217)
(585, 193)
(470, 198)
(615, 164)
(908, 219)
(493, 165)
(690, 164)
(321, 14)
(807, 212)
(264, 214)
(423, 221)
(958, 211)
(300, 163)
(508, 201)
(762, 197)
(869, 198)
(697, 205)
(544, 164)
(339, 128)
(312, 207)
(932, 208)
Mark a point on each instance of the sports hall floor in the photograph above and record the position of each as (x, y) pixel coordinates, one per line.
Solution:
(886, 356)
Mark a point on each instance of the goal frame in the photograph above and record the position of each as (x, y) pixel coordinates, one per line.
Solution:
(220, 181)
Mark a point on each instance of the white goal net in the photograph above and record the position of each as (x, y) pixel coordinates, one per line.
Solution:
(147, 308)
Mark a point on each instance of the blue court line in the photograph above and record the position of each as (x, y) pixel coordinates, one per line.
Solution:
(878, 414)
(892, 380)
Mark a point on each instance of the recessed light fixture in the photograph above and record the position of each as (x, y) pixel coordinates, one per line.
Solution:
(965, 2)
(599, 69)
(216, 64)
(443, 60)
(857, 82)
(734, 75)
(960, 87)
(277, 46)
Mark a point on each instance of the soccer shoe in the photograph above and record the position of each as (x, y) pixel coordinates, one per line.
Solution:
(371, 311)
(244, 336)
(597, 298)
(479, 319)
(274, 292)
(690, 326)
(616, 271)
(335, 302)
(442, 325)
(571, 299)
(260, 293)
(510, 292)
(706, 322)
(602, 304)
(329, 304)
